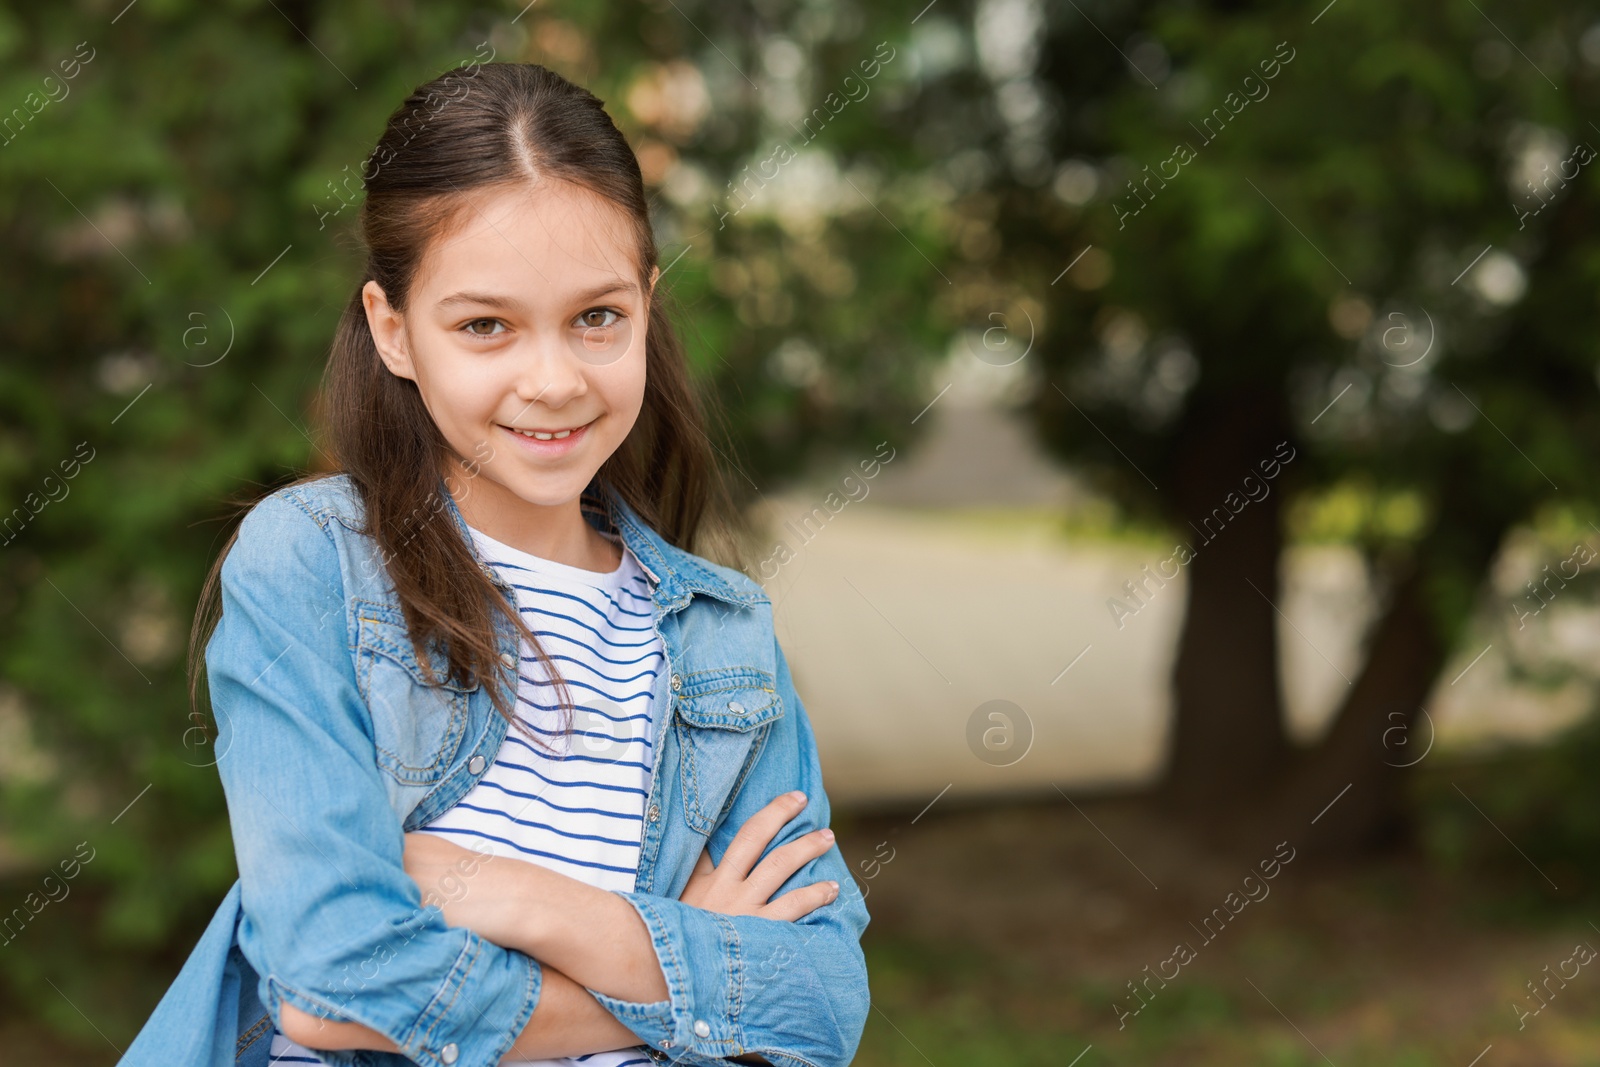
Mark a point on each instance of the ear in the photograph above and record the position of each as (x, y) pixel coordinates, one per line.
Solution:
(655, 273)
(388, 328)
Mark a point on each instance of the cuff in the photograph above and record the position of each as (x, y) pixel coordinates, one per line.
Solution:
(700, 958)
(480, 1008)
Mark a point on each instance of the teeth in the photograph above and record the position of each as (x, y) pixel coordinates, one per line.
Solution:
(536, 435)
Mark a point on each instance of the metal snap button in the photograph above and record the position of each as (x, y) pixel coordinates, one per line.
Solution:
(677, 681)
(655, 812)
(508, 659)
(449, 1053)
(475, 765)
(736, 707)
(702, 1028)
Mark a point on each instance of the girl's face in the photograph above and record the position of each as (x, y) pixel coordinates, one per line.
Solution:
(527, 319)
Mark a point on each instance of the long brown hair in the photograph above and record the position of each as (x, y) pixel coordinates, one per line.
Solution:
(476, 127)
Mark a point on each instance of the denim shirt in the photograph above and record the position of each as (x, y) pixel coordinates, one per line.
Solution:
(331, 745)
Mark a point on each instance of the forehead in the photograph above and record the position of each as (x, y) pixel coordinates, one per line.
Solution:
(542, 241)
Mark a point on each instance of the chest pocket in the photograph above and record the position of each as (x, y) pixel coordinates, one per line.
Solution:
(417, 727)
(721, 718)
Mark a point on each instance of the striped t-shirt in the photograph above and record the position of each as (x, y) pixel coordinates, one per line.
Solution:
(580, 809)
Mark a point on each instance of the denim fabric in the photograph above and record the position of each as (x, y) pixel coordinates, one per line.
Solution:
(332, 745)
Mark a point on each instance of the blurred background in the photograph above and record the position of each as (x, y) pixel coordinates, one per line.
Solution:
(1227, 375)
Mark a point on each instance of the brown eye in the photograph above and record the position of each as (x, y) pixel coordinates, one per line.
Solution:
(595, 317)
(476, 322)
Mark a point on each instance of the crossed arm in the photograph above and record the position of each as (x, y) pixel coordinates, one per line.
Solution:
(586, 938)
(567, 1021)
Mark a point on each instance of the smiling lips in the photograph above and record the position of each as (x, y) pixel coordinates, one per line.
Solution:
(542, 435)
(550, 441)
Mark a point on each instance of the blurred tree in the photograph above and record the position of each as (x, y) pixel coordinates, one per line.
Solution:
(178, 195)
(1282, 253)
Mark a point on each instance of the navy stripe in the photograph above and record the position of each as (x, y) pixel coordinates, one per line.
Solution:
(592, 1055)
(587, 648)
(595, 711)
(571, 756)
(591, 629)
(535, 851)
(639, 578)
(603, 592)
(541, 798)
(570, 596)
(580, 641)
(645, 741)
(568, 785)
(575, 684)
(546, 826)
(586, 665)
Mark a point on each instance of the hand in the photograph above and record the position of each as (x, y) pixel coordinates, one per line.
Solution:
(471, 888)
(732, 888)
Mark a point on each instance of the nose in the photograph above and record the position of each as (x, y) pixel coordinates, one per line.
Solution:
(548, 372)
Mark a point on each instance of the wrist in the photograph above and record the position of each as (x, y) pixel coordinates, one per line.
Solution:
(592, 935)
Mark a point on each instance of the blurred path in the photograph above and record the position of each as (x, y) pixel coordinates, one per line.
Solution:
(948, 584)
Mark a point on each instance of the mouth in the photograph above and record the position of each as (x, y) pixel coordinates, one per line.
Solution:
(552, 440)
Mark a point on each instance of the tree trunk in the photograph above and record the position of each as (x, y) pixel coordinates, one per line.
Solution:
(1228, 740)
(1352, 782)
(1381, 730)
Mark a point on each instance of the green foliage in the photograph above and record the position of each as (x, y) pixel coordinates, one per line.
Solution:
(1313, 248)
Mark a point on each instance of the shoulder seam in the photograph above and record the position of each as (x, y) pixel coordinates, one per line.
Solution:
(292, 494)
(323, 511)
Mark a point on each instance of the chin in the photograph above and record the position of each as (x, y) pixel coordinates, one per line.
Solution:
(550, 491)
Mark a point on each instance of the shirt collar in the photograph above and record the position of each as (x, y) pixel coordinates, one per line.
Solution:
(675, 572)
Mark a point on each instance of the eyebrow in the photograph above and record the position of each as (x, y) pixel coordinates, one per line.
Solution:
(507, 303)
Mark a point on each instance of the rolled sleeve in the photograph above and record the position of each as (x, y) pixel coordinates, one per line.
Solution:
(331, 920)
(699, 955)
(794, 992)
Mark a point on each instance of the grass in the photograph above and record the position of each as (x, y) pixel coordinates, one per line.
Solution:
(1397, 964)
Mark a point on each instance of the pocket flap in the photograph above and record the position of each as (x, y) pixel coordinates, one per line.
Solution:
(382, 630)
(730, 698)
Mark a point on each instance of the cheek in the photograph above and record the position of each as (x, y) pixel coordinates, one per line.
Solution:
(624, 389)
(462, 401)
(635, 399)
(457, 393)
(635, 387)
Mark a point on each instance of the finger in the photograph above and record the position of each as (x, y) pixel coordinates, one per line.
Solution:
(700, 879)
(781, 863)
(757, 833)
(798, 903)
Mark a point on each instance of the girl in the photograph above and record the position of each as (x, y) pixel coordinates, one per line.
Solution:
(513, 775)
